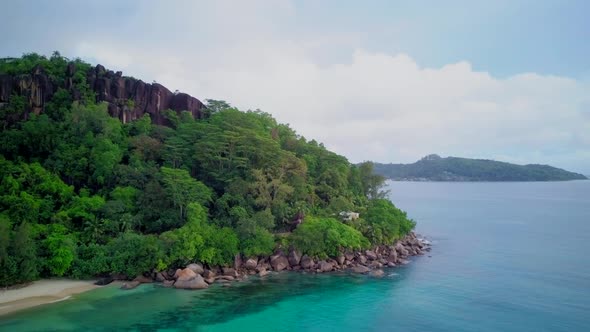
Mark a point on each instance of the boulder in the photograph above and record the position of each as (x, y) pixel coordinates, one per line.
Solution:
(184, 274)
(361, 259)
(392, 256)
(209, 274)
(196, 267)
(143, 279)
(238, 261)
(168, 283)
(340, 259)
(371, 255)
(375, 265)
(391, 264)
(210, 280)
(306, 262)
(251, 263)
(376, 273)
(325, 266)
(159, 277)
(360, 269)
(196, 282)
(349, 255)
(262, 272)
(262, 266)
(404, 261)
(279, 262)
(401, 250)
(104, 281)
(228, 278)
(130, 285)
(228, 271)
(294, 257)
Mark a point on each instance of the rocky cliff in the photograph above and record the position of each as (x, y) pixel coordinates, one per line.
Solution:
(127, 97)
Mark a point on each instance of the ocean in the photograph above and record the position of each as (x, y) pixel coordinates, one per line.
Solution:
(505, 257)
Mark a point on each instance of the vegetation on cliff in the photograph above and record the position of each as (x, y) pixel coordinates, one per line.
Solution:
(84, 194)
(435, 168)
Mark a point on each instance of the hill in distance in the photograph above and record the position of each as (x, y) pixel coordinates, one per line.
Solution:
(435, 168)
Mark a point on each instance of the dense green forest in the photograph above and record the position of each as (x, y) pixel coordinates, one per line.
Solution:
(435, 168)
(83, 194)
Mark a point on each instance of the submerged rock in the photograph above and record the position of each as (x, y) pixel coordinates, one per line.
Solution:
(377, 273)
(360, 269)
(130, 285)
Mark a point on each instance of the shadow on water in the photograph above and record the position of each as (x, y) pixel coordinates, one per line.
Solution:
(221, 304)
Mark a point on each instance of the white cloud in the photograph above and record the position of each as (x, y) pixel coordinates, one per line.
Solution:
(375, 106)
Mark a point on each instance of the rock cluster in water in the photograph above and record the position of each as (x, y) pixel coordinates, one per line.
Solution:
(198, 276)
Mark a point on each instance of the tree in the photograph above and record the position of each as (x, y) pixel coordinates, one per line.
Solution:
(253, 233)
(24, 251)
(133, 254)
(61, 250)
(386, 222)
(372, 183)
(183, 189)
(215, 106)
(324, 237)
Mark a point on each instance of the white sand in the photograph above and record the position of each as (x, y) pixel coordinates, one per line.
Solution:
(42, 292)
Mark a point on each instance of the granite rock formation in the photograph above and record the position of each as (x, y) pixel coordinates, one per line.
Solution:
(128, 98)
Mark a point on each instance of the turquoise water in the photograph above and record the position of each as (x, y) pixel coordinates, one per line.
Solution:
(506, 257)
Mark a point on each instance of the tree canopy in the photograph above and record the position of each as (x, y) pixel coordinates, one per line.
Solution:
(83, 194)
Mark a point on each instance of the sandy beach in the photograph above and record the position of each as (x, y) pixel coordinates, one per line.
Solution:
(42, 292)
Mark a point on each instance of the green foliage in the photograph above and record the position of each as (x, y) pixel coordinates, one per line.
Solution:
(61, 250)
(199, 240)
(82, 194)
(385, 223)
(323, 237)
(184, 189)
(91, 260)
(133, 254)
(254, 235)
(24, 251)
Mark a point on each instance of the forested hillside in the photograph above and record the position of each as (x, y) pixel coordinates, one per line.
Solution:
(83, 193)
(435, 168)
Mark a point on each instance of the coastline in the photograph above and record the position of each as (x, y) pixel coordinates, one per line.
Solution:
(42, 292)
(197, 276)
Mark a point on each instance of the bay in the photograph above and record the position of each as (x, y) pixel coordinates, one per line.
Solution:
(506, 257)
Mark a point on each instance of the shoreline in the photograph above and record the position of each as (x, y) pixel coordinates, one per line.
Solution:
(42, 292)
(197, 276)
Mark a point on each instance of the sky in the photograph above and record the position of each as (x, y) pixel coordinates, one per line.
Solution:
(388, 81)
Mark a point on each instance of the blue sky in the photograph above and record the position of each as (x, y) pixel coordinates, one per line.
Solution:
(388, 81)
(501, 37)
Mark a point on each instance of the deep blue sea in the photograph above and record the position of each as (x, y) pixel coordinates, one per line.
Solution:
(506, 257)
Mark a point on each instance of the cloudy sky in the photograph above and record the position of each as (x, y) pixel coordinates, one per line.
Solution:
(389, 81)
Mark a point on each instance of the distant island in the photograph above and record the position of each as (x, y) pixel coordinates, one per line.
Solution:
(435, 168)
